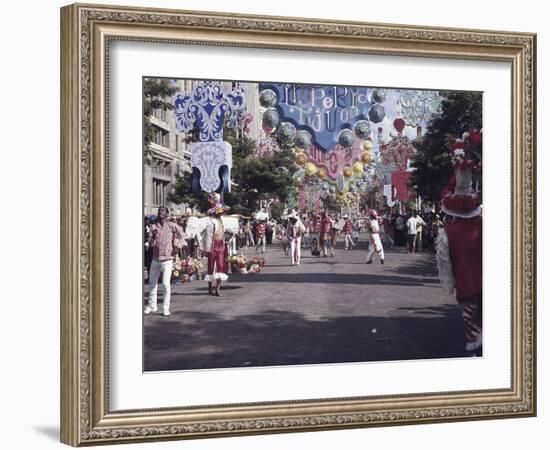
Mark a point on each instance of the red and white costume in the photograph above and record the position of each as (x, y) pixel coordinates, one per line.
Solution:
(459, 248)
(373, 227)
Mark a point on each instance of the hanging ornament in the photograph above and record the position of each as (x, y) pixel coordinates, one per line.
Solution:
(311, 169)
(366, 158)
(362, 129)
(345, 138)
(377, 113)
(301, 159)
(347, 172)
(322, 172)
(303, 139)
(378, 95)
(358, 167)
(268, 98)
(367, 145)
(399, 124)
(270, 118)
(287, 133)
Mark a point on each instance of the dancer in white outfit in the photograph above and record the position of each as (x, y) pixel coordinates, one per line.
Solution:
(295, 231)
(375, 243)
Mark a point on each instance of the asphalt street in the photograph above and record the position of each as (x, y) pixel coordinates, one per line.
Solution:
(327, 310)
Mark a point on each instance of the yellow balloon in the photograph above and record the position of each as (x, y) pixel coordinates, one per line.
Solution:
(366, 158)
(347, 172)
(301, 159)
(367, 145)
(311, 169)
(358, 167)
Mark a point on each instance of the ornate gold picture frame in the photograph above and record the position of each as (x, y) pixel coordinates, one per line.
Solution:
(87, 31)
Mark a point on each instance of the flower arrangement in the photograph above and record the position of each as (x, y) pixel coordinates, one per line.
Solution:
(240, 264)
(186, 270)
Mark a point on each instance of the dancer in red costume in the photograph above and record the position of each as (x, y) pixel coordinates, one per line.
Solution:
(214, 245)
(459, 245)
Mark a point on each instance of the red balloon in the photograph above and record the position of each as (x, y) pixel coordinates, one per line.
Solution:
(399, 124)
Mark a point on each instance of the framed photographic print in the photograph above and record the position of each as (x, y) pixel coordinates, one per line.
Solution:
(280, 224)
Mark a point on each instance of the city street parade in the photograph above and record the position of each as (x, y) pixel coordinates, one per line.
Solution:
(294, 224)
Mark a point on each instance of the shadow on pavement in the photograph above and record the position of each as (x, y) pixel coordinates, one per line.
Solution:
(200, 340)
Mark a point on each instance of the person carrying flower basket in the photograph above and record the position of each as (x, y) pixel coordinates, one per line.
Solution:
(214, 245)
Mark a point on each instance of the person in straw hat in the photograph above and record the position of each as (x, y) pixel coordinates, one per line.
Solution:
(214, 245)
(459, 243)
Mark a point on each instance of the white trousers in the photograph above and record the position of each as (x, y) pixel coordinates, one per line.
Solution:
(261, 243)
(349, 242)
(295, 250)
(156, 268)
(375, 245)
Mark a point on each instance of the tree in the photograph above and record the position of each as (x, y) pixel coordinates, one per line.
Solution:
(155, 93)
(253, 178)
(460, 112)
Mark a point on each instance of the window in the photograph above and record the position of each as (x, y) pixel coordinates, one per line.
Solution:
(159, 192)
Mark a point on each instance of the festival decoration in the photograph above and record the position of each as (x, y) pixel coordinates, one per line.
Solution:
(366, 158)
(209, 107)
(322, 172)
(362, 129)
(377, 113)
(399, 150)
(347, 172)
(301, 159)
(287, 133)
(379, 95)
(311, 169)
(367, 145)
(270, 120)
(303, 139)
(417, 107)
(345, 138)
(358, 167)
(268, 98)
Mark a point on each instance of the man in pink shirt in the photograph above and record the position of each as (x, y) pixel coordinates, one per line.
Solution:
(164, 238)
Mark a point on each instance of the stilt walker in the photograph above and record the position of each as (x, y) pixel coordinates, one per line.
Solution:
(373, 226)
(459, 244)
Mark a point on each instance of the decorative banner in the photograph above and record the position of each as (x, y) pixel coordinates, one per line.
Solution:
(208, 106)
(302, 200)
(323, 111)
(399, 150)
(336, 160)
(401, 179)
